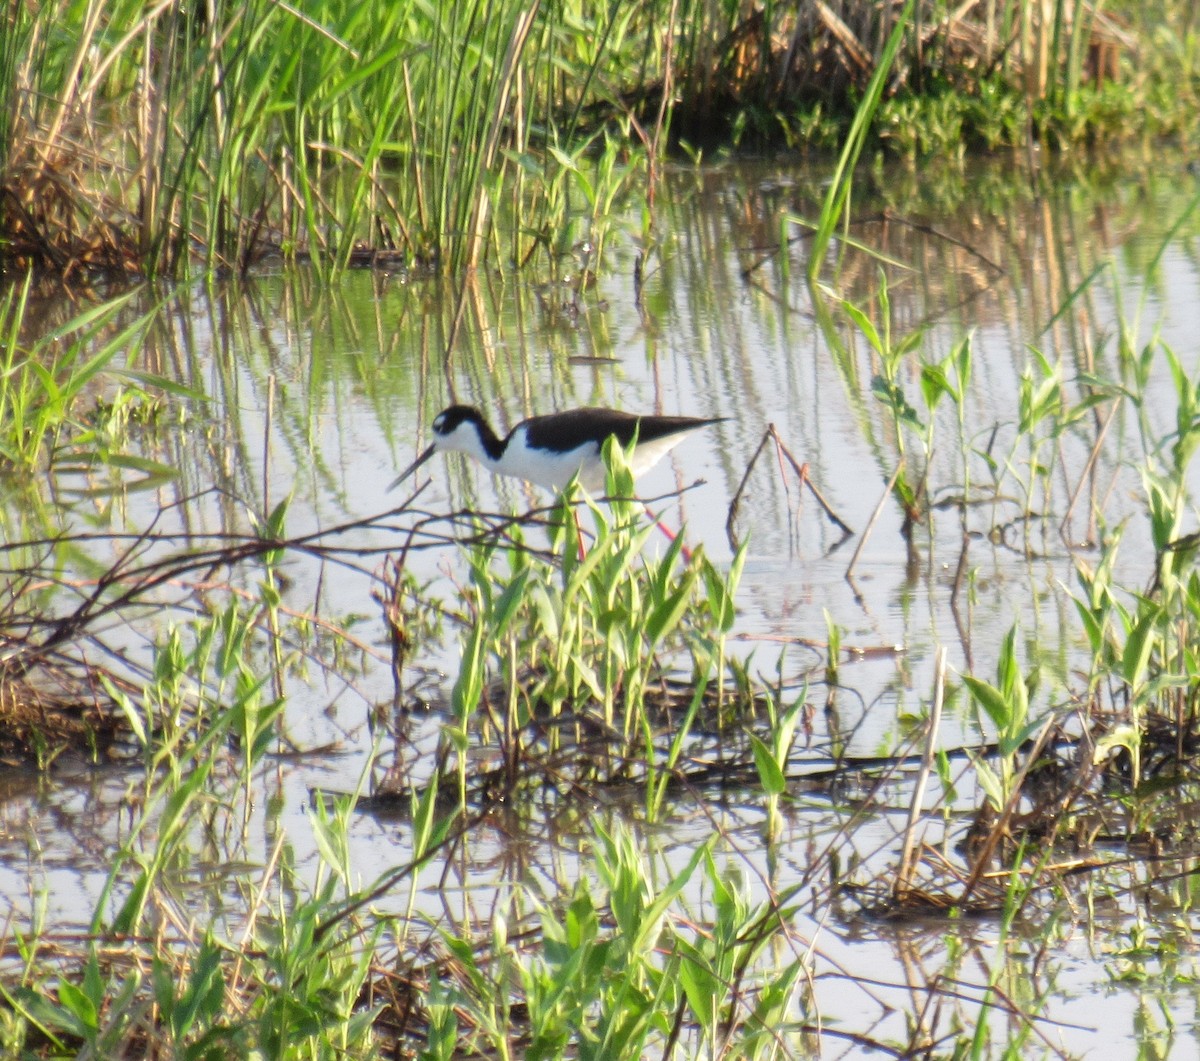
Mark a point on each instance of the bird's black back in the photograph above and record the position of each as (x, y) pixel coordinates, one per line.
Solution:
(569, 430)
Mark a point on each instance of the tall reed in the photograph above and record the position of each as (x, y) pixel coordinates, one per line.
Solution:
(141, 138)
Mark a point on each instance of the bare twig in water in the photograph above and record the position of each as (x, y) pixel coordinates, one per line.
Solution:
(731, 518)
(1084, 475)
(887, 492)
(904, 874)
(891, 217)
(141, 568)
(802, 473)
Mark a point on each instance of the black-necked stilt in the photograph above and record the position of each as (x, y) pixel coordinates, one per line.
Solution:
(550, 450)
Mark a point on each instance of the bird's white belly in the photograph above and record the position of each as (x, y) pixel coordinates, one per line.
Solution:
(554, 470)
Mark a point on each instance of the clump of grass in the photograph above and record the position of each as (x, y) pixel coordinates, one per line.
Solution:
(45, 383)
(1073, 757)
(568, 643)
(628, 971)
(338, 136)
(994, 75)
(135, 140)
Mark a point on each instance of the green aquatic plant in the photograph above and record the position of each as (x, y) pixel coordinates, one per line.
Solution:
(838, 196)
(891, 354)
(45, 383)
(584, 634)
(623, 967)
(1006, 706)
(771, 756)
(138, 140)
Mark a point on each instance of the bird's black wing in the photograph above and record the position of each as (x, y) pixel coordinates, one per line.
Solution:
(569, 430)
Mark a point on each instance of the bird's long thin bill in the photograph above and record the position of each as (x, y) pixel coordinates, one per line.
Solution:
(413, 467)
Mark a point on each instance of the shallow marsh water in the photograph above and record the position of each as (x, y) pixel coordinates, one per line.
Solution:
(323, 392)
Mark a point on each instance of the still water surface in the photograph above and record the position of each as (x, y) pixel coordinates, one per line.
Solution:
(323, 392)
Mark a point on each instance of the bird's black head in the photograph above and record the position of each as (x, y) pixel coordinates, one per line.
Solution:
(449, 419)
(462, 427)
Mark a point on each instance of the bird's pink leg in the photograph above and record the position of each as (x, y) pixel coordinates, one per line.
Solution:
(578, 534)
(684, 551)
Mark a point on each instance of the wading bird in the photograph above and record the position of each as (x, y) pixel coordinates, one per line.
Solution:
(550, 450)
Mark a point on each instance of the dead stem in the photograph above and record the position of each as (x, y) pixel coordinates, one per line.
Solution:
(907, 868)
(802, 474)
(866, 534)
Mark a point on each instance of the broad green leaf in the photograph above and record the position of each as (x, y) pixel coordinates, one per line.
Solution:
(770, 772)
(1139, 645)
(998, 709)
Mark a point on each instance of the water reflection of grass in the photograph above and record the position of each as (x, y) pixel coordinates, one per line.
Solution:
(680, 842)
(559, 702)
(580, 705)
